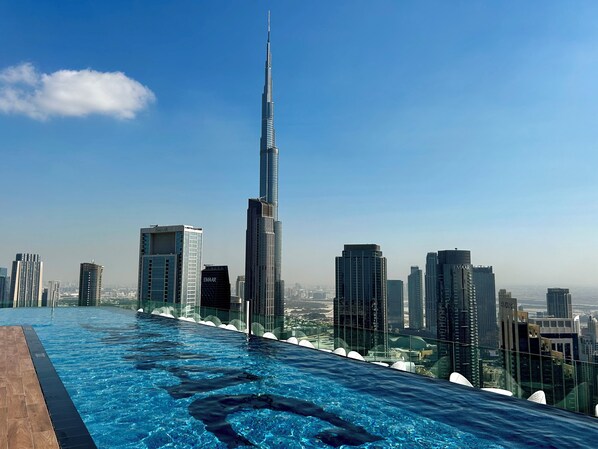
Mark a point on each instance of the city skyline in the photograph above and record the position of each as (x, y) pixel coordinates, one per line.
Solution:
(504, 113)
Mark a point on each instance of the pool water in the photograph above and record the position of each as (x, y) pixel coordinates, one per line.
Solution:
(142, 381)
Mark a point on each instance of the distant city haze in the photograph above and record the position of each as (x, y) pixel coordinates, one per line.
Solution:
(414, 127)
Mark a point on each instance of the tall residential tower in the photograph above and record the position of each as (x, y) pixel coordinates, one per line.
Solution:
(170, 267)
(26, 281)
(416, 299)
(90, 284)
(457, 319)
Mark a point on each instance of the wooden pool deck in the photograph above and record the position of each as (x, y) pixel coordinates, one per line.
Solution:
(24, 419)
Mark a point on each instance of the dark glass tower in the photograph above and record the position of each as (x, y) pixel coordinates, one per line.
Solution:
(431, 263)
(259, 263)
(396, 312)
(457, 316)
(485, 293)
(4, 286)
(269, 179)
(215, 287)
(416, 299)
(558, 301)
(90, 284)
(360, 304)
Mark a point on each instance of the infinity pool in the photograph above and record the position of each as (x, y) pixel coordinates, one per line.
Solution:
(142, 381)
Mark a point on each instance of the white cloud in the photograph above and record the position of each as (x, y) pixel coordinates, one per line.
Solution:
(74, 93)
(24, 73)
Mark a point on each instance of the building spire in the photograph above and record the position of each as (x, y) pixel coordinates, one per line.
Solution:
(268, 55)
(268, 149)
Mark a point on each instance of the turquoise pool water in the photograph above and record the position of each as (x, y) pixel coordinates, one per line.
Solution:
(141, 381)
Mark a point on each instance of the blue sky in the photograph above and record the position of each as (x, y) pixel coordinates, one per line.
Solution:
(415, 125)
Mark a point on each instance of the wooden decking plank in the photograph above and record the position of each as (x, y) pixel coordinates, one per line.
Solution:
(17, 406)
(44, 439)
(19, 434)
(24, 419)
(3, 424)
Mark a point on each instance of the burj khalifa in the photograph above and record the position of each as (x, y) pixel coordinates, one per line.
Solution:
(264, 286)
(269, 179)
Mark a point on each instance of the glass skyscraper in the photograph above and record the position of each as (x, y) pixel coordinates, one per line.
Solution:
(558, 302)
(396, 308)
(416, 299)
(360, 303)
(485, 293)
(170, 266)
(430, 280)
(259, 263)
(215, 288)
(457, 316)
(269, 195)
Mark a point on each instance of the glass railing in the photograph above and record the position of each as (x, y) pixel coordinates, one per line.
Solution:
(203, 315)
(567, 384)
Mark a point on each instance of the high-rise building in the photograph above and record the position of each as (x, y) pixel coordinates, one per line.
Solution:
(562, 334)
(531, 360)
(430, 280)
(26, 281)
(457, 326)
(360, 303)
(525, 353)
(215, 288)
(90, 284)
(485, 293)
(51, 294)
(236, 307)
(269, 179)
(240, 287)
(259, 263)
(4, 287)
(509, 337)
(593, 328)
(558, 302)
(416, 299)
(395, 301)
(170, 266)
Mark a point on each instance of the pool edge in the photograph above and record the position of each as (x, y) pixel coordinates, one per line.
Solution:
(69, 428)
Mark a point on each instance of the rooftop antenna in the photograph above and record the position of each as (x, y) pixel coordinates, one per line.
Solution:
(268, 25)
